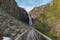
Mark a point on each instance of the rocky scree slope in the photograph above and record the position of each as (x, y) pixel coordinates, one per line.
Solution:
(10, 14)
(10, 25)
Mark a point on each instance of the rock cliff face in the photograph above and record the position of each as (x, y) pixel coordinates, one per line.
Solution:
(50, 15)
(10, 25)
(39, 10)
(9, 13)
(10, 6)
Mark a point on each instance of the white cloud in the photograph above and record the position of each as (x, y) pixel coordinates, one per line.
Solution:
(26, 7)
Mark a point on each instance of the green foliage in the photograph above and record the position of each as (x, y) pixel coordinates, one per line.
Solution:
(53, 8)
(48, 17)
(51, 35)
(42, 27)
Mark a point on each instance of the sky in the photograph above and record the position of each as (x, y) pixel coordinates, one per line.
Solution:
(30, 4)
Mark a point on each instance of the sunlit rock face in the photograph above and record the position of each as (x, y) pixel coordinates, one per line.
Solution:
(38, 10)
(10, 6)
(49, 14)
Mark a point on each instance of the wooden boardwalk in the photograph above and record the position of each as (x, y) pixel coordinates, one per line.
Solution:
(17, 29)
(37, 35)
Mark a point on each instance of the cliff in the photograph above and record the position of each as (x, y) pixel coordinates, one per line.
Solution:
(10, 6)
(35, 12)
(10, 25)
(48, 18)
(10, 14)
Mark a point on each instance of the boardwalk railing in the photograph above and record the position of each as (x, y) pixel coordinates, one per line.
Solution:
(22, 36)
(41, 35)
(38, 35)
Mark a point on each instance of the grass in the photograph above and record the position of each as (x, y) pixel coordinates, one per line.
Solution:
(42, 27)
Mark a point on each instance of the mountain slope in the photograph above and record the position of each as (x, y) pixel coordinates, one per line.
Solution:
(10, 25)
(10, 14)
(48, 18)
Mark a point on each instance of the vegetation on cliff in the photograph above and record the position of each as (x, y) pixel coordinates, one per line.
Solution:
(48, 19)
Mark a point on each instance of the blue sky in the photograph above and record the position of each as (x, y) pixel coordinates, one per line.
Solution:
(30, 4)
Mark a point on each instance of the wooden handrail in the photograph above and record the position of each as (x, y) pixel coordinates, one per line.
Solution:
(36, 32)
(21, 35)
(46, 37)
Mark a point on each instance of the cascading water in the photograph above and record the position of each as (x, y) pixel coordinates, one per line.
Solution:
(30, 20)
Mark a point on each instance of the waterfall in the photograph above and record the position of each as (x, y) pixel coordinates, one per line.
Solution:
(30, 20)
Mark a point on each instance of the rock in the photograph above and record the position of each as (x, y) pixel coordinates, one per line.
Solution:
(10, 6)
(1, 35)
(50, 15)
(23, 15)
(10, 25)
